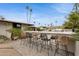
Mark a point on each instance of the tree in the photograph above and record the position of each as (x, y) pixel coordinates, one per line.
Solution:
(73, 21)
(76, 8)
(73, 18)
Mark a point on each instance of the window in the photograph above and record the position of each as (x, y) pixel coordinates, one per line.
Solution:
(16, 25)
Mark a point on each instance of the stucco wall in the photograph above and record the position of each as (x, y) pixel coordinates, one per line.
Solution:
(77, 48)
(24, 27)
(4, 27)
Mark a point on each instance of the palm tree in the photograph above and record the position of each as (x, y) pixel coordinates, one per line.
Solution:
(30, 15)
(34, 22)
(76, 8)
(2, 18)
(39, 24)
(27, 7)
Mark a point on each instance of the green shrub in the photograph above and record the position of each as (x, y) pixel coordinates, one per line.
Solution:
(16, 31)
(76, 36)
(3, 38)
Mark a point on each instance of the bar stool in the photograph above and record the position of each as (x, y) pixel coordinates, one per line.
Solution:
(27, 39)
(62, 42)
(30, 36)
(35, 40)
(45, 41)
(52, 43)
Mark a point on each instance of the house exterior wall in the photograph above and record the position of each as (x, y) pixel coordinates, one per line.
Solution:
(4, 26)
(28, 28)
(23, 27)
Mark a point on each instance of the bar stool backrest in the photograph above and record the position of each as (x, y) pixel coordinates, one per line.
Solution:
(28, 35)
(35, 36)
(54, 37)
(43, 36)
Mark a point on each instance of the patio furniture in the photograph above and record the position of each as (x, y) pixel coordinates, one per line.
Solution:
(45, 42)
(34, 40)
(29, 39)
(53, 42)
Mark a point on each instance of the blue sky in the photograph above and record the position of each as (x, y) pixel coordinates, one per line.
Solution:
(43, 13)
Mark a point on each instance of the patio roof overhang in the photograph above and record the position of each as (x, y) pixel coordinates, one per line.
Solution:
(9, 21)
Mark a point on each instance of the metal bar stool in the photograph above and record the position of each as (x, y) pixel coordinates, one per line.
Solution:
(27, 39)
(30, 39)
(35, 40)
(45, 40)
(52, 42)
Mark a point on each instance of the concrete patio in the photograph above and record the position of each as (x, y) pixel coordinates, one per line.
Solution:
(7, 50)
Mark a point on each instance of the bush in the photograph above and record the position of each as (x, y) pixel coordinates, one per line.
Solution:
(76, 36)
(3, 38)
(16, 32)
